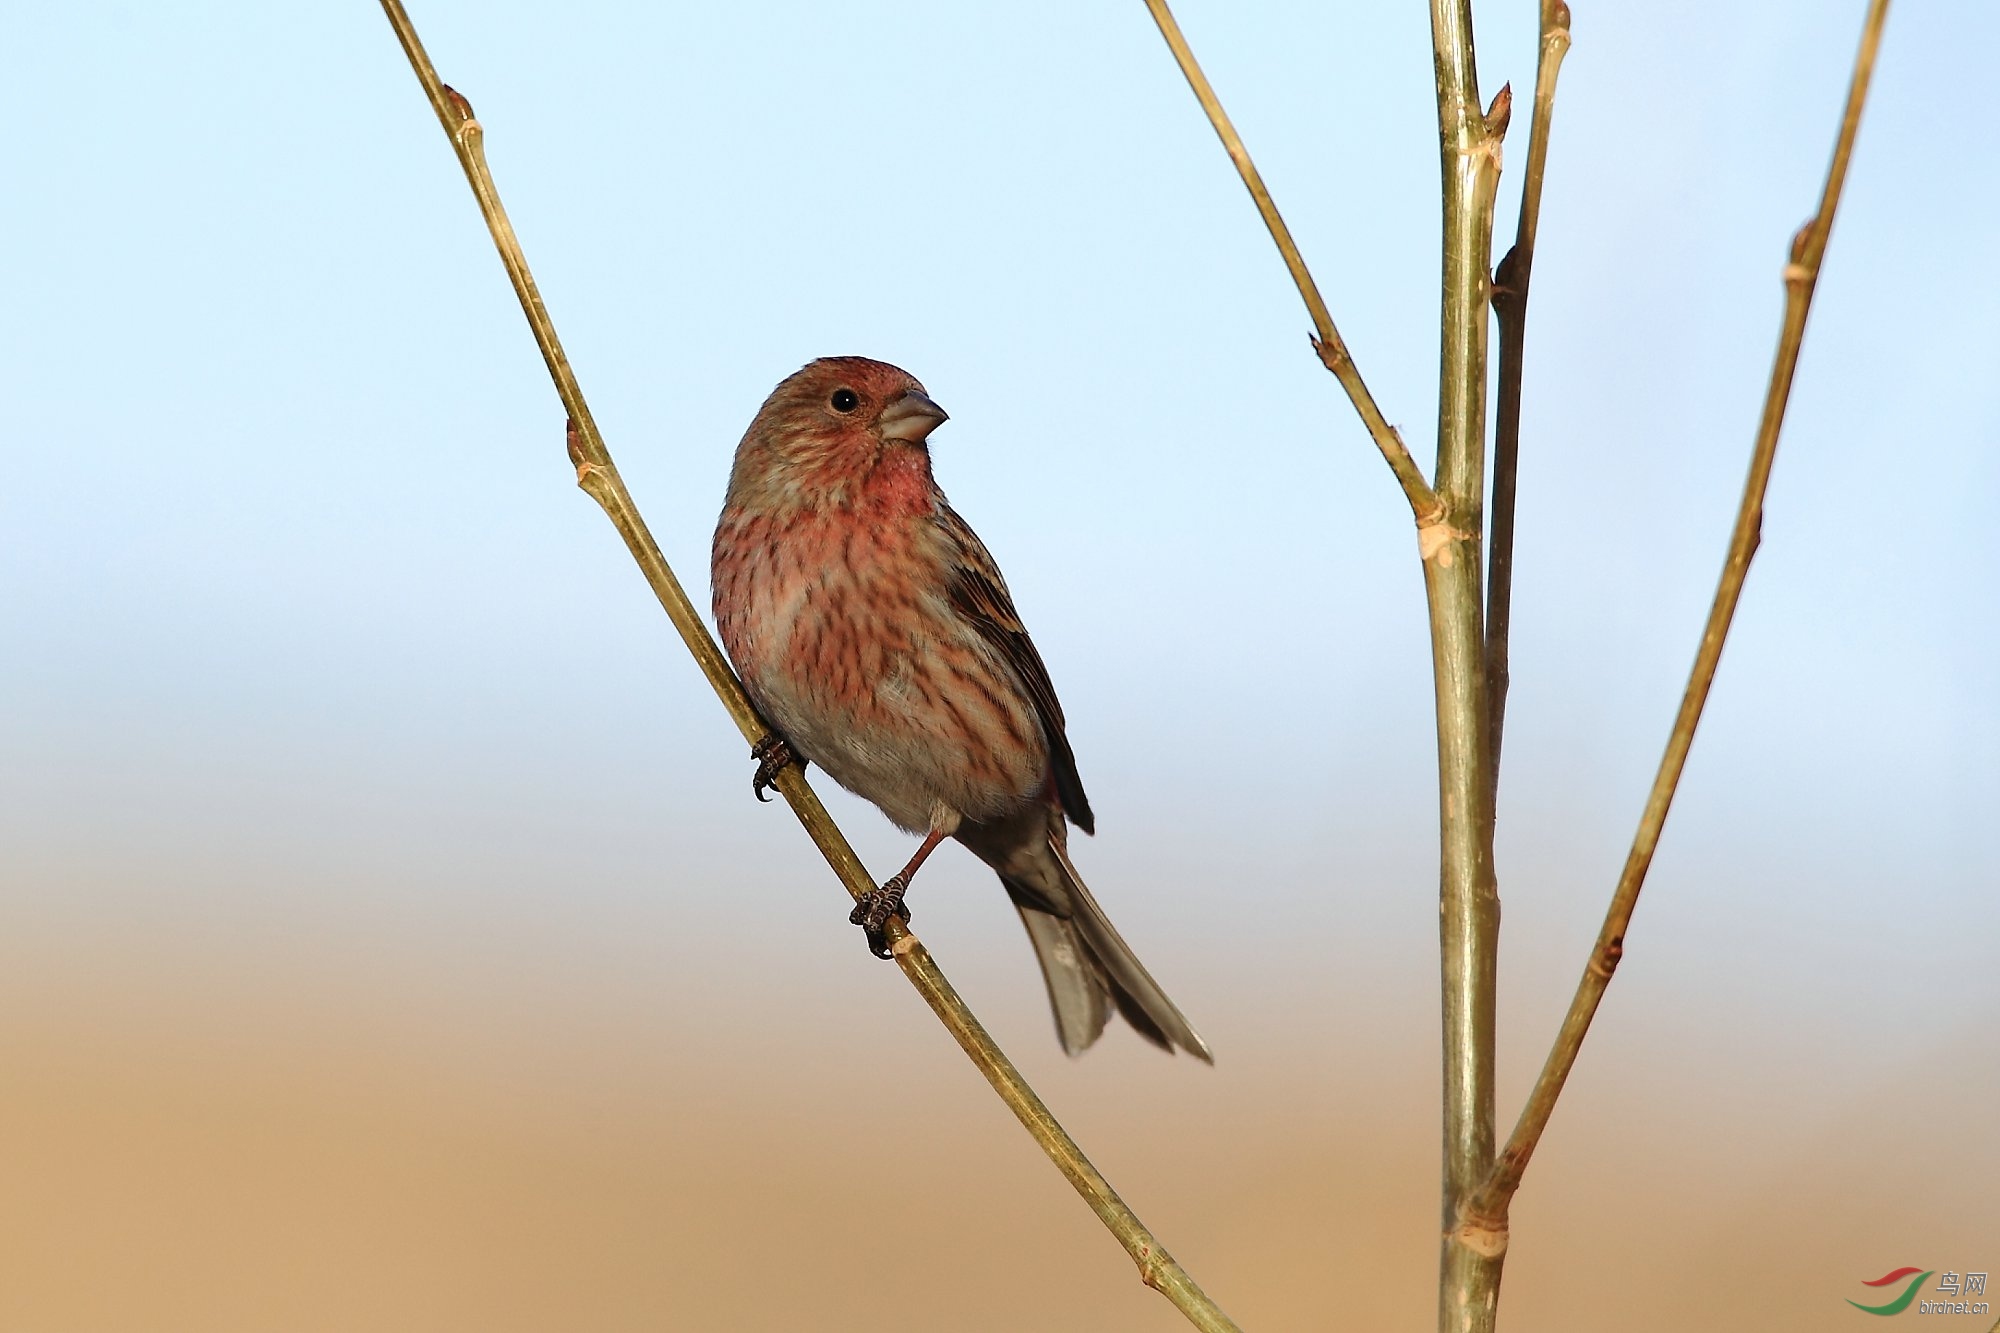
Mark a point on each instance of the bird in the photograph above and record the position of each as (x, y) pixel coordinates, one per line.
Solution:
(876, 637)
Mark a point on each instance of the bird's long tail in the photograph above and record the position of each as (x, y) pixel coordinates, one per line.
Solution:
(1090, 969)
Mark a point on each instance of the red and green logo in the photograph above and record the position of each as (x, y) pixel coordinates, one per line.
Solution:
(1915, 1280)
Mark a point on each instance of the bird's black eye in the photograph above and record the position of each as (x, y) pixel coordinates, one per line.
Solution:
(845, 400)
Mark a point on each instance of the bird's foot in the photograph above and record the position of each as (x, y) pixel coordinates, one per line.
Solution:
(872, 913)
(772, 755)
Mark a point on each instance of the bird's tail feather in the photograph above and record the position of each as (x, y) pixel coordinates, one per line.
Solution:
(1090, 969)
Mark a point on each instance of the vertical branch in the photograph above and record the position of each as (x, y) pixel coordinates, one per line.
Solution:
(1510, 308)
(1487, 1210)
(1469, 907)
(598, 477)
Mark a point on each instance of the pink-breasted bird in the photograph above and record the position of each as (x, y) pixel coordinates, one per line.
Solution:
(874, 632)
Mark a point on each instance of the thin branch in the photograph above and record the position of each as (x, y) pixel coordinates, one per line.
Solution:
(1488, 1209)
(1327, 341)
(1468, 904)
(599, 478)
(1510, 308)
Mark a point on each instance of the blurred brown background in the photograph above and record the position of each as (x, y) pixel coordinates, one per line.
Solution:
(209, 1150)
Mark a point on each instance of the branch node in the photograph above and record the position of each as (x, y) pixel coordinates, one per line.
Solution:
(1332, 355)
(1803, 264)
(579, 456)
(1555, 29)
(1605, 961)
(1435, 537)
(1801, 239)
(461, 124)
(1507, 287)
(905, 944)
(1488, 1240)
(1149, 1269)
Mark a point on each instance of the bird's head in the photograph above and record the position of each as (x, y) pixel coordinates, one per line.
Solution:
(833, 423)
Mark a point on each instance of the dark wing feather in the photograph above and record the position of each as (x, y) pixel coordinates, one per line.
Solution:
(980, 594)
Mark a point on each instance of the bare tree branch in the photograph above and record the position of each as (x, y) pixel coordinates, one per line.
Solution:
(599, 478)
(1510, 308)
(1327, 341)
(1468, 903)
(1487, 1210)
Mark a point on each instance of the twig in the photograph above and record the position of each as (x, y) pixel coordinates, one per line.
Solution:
(1488, 1208)
(1327, 342)
(1469, 906)
(599, 478)
(1510, 308)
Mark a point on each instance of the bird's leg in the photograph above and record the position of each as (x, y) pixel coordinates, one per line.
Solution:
(771, 754)
(872, 913)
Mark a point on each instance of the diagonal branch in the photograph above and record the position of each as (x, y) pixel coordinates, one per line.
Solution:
(1488, 1208)
(1327, 341)
(599, 478)
(1510, 308)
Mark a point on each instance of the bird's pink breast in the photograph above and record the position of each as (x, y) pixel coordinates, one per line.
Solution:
(814, 591)
(839, 618)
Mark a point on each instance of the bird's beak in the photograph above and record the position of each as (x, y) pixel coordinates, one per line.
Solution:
(911, 417)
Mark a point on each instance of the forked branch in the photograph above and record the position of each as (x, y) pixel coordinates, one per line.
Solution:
(1488, 1208)
(1332, 348)
(598, 477)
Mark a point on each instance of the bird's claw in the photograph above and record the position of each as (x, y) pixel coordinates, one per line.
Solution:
(771, 754)
(872, 913)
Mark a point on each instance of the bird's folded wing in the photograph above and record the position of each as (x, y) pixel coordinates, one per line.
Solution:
(980, 595)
